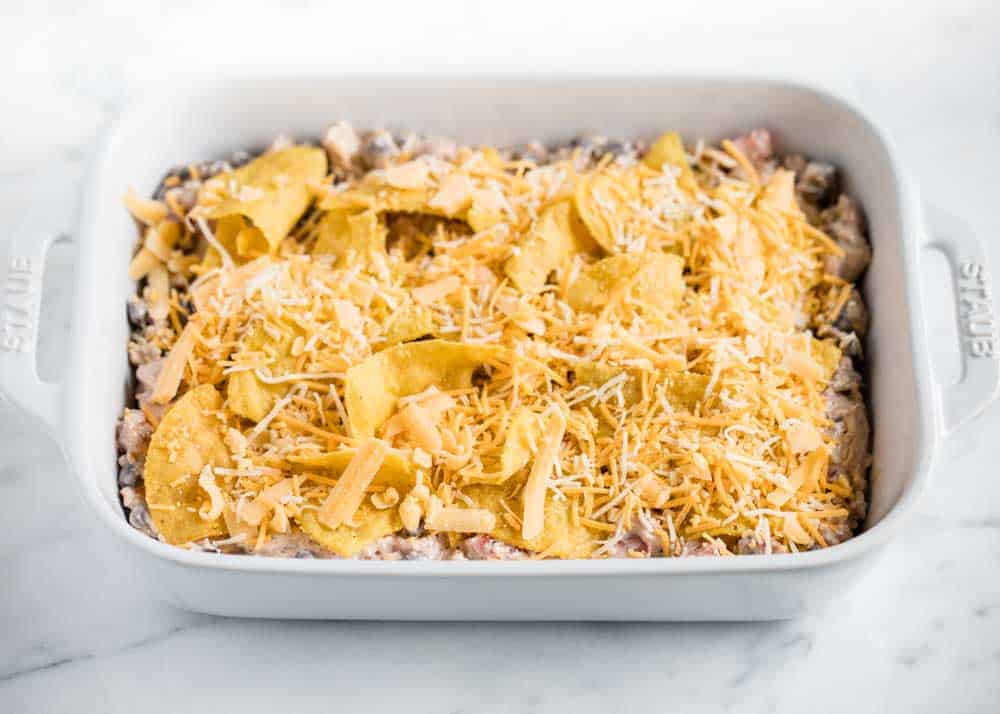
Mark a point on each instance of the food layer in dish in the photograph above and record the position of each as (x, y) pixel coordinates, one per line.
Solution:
(383, 346)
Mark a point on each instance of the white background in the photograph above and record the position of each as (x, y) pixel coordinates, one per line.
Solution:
(79, 632)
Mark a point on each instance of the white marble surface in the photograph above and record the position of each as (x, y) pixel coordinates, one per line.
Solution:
(80, 633)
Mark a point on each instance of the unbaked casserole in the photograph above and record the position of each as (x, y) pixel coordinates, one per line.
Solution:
(393, 346)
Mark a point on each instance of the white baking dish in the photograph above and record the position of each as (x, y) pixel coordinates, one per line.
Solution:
(909, 417)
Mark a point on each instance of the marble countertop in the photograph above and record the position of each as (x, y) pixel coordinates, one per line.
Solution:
(80, 632)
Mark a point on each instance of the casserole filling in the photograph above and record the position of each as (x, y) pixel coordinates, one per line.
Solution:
(402, 348)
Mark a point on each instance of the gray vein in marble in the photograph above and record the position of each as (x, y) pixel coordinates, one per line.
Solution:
(49, 665)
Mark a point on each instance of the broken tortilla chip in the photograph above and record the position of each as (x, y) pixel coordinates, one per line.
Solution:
(352, 237)
(189, 437)
(271, 192)
(668, 150)
(596, 374)
(245, 393)
(374, 385)
(410, 322)
(519, 443)
(394, 471)
(598, 203)
(655, 278)
(559, 538)
(347, 540)
(556, 237)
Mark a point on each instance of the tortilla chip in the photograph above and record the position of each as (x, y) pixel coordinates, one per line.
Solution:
(597, 374)
(559, 537)
(352, 237)
(669, 150)
(685, 390)
(395, 471)
(272, 193)
(522, 432)
(347, 541)
(598, 203)
(380, 198)
(188, 438)
(248, 396)
(373, 386)
(556, 237)
(410, 322)
(656, 278)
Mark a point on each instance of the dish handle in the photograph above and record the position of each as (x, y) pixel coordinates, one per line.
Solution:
(978, 384)
(20, 310)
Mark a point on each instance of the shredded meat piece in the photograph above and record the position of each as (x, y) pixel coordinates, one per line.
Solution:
(758, 149)
(140, 351)
(378, 149)
(484, 547)
(696, 548)
(133, 434)
(835, 531)
(850, 429)
(643, 538)
(342, 144)
(128, 471)
(413, 145)
(139, 518)
(394, 547)
(293, 545)
(854, 315)
(590, 148)
(533, 151)
(844, 223)
(756, 544)
(816, 184)
(138, 311)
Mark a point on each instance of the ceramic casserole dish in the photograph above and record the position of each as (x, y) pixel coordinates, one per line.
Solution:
(910, 413)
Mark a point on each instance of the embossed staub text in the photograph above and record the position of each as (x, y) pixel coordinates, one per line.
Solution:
(18, 305)
(975, 308)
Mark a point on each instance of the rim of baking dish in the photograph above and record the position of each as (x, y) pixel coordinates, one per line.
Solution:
(879, 533)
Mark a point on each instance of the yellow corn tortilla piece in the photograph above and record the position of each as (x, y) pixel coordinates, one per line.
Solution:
(668, 149)
(374, 385)
(395, 471)
(248, 396)
(656, 278)
(685, 390)
(559, 537)
(481, 219)
(596, 374)
(410, 322)
(556, 237)
(522, 433)
(351, 237)
(188, 438)
(598, 203)
(272, 192)
(347, 541)
(380, 198)
(516, 453)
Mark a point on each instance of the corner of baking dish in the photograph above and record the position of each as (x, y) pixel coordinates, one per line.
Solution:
(872, 537)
